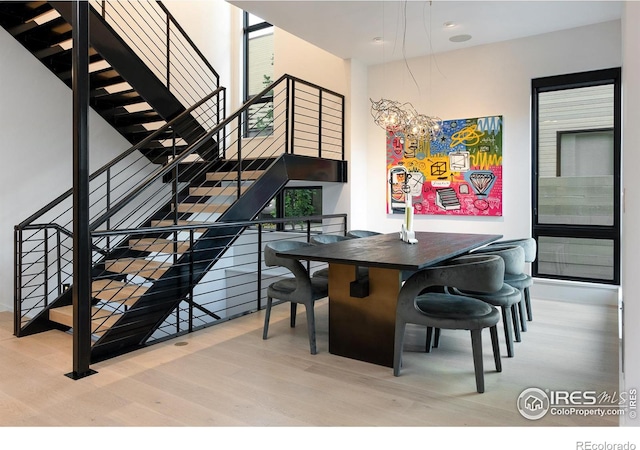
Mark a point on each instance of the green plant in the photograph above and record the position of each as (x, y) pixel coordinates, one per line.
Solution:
(265, 122)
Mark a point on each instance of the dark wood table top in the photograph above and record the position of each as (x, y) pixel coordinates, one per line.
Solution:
(389, 251)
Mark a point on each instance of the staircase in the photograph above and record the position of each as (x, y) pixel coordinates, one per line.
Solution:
(134, 96)
(166, 212)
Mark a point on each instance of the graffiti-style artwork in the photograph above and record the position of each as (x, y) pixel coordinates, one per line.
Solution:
(460, 173)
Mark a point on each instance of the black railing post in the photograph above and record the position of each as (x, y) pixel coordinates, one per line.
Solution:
(319, 123)
(292, 115)
(191, 280)
(45, 273)
(168, 53)
(342, 127)
(240, 148)
(259, 285)
(81, 233)
(59, 261)
(17, 286)
(175, 185)
(108, 200)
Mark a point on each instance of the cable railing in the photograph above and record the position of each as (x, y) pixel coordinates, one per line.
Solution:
(234, 287)
(161, 43)
(132, 193)
(108, 186)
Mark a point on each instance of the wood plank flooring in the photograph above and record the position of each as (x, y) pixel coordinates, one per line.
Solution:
(227, 376)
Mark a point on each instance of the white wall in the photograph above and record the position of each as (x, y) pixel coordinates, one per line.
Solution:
(298, 58)
(37, 145)
(209, 25)
(481, 81)
(631, 211)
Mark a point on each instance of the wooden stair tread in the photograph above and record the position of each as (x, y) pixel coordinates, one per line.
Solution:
(157, 245)
(117, 291)
(101, 319)
(216, 191)
(209, 208)
(232, 176)
(138, 266)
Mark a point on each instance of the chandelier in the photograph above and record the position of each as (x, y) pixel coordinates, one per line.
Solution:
(403, 119)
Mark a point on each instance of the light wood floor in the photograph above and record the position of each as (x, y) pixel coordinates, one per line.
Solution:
(228, 376)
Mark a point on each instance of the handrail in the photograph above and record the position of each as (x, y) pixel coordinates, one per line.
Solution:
(120, 157)
(148, 28)
(61, 229)
(242, 223)
(188, 39)
(302, 119)
(195, 146)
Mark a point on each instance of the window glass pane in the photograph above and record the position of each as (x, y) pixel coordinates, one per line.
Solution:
(298, 202)
(576, 258)
(575, 156)
(260, 70)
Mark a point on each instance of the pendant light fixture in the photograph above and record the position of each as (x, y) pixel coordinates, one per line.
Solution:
(402, 119)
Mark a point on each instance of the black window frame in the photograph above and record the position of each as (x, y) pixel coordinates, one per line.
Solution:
(612, 232)
(246, 96)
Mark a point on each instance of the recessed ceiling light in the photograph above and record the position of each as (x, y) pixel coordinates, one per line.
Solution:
(449, 24)
(460, 38)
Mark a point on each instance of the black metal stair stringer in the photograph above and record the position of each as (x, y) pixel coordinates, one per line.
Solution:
(139, 322)
(106, 41)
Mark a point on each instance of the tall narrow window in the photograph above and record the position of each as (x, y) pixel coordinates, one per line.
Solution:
(576, 182)
(258, 74)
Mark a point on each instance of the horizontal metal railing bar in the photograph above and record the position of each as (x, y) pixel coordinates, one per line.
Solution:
(165, 229)
(119, 158)
(168, 168)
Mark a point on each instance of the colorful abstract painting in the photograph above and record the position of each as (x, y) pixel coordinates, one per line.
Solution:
(460, 173)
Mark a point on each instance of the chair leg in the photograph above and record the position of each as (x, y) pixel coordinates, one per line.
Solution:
(496, 348)
(476, 345)
(398, 343)
(521, 308)
(516, 323)
(527, 303)
(508, 330)
(436, 338)
(311, 328)
(267, 315)
(429, 340)
(294, 309)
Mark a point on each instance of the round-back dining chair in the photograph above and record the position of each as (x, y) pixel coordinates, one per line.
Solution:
(522, 281)
(320, 239)
(508, 299)
(300, 289)
(479, 273)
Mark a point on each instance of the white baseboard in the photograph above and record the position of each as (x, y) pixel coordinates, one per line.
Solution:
(575, 291)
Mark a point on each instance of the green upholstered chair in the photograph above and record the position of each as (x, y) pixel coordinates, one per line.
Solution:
(300, 289)
(320, 239)
(507, 298)
(416, 305)
(522, 281)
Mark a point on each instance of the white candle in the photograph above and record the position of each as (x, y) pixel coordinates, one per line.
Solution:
(408, 212)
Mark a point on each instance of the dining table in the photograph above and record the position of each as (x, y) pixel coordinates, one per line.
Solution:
(362, 308)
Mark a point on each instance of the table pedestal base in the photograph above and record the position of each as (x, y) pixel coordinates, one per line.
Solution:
(363, 328)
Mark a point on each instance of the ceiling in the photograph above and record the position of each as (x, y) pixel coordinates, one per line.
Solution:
(411, 28)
